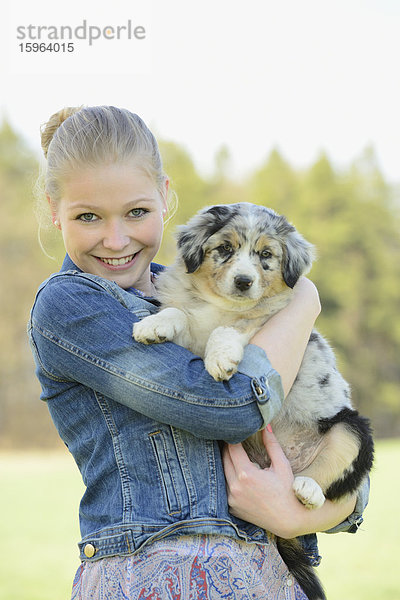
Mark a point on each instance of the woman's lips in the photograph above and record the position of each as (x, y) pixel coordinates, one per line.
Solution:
(118, 264)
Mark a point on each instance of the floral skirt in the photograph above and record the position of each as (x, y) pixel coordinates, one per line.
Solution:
(202, 567)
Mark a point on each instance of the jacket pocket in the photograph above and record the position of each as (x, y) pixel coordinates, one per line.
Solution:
(165, 465)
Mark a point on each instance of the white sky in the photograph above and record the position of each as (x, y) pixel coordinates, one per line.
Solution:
(302, 75)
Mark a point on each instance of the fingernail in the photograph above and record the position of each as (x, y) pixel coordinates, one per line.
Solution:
(269, 428)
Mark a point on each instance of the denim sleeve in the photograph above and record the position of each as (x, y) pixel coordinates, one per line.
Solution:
(353, 522)
(270, 393)
(81, 333)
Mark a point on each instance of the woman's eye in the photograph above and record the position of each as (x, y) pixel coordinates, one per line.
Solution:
(87, 217)
(138, 212)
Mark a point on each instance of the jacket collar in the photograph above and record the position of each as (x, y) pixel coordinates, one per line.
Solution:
(69, 265)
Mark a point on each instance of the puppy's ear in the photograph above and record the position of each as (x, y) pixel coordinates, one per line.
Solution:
(298, 255)
(192, 253)
(193, 236)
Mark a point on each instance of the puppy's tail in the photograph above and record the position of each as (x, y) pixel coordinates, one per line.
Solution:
(293, 555)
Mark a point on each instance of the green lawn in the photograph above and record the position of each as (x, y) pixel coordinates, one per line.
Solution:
(365, 566)
(39, 498)
(39, 526)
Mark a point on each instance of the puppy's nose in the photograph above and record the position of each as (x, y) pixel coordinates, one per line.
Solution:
(243, 282)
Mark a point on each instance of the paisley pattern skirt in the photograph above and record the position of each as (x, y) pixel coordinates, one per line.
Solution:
(202, 567)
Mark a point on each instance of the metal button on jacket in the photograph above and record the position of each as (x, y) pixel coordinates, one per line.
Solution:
(89, 550)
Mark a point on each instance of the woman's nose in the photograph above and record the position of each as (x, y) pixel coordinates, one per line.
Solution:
(115, 237)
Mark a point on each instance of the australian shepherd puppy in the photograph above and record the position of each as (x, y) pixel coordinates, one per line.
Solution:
(236, 267)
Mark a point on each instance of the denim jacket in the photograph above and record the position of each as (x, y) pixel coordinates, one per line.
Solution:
(143, 423)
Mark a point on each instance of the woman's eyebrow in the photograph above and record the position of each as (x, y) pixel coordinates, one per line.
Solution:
(94, 207)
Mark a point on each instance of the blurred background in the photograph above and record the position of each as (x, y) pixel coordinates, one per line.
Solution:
(351, 215)
(293, 105)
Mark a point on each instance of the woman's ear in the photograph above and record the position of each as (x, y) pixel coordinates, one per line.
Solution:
(54, 212)
(164, 197)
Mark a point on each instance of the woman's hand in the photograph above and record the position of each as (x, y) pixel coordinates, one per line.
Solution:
(261, 496)
(265, 496)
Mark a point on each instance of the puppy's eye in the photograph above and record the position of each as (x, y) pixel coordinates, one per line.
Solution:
(225, 248)
(265, 253)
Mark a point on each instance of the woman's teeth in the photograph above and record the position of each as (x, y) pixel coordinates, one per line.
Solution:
(117, 261)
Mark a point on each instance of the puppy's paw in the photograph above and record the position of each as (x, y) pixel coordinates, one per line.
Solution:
(220, 367)
(151, 331)
(161, 327)
(308, 492)
(223, 353)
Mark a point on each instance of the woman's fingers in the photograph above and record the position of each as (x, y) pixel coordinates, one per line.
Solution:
(274, 449)
(229, 467)
(260, 496)
(237, 463)
(239, 459)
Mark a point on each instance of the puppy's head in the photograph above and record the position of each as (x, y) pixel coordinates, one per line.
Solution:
(243, 252)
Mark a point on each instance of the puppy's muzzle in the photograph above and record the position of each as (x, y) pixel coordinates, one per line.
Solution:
(243, 282)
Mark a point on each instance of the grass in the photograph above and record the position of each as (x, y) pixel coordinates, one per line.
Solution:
(39, 525)
(365, 565)
(39, 531)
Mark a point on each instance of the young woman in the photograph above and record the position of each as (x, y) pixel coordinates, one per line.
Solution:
(143, 422)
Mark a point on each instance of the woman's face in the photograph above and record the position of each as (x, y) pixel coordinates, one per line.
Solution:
(111, 218)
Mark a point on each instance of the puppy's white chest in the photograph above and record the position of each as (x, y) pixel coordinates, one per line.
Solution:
(202, 320)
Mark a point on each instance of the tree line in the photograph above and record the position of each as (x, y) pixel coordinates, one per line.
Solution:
(351, 216)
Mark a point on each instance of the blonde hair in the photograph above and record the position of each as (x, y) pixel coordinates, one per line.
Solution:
(80, 137)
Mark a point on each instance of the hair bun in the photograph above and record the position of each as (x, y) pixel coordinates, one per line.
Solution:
(47, 130)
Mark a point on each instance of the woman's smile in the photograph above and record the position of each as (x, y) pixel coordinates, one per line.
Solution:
(118, 264)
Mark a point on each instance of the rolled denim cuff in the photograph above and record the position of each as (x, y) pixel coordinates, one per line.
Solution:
(309, 543)
(353, 522)
(265, 381)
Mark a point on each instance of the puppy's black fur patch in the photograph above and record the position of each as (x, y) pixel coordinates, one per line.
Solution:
(359, 425)
(297, 258)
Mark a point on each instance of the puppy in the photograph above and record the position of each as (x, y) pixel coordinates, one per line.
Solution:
(236, 267)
